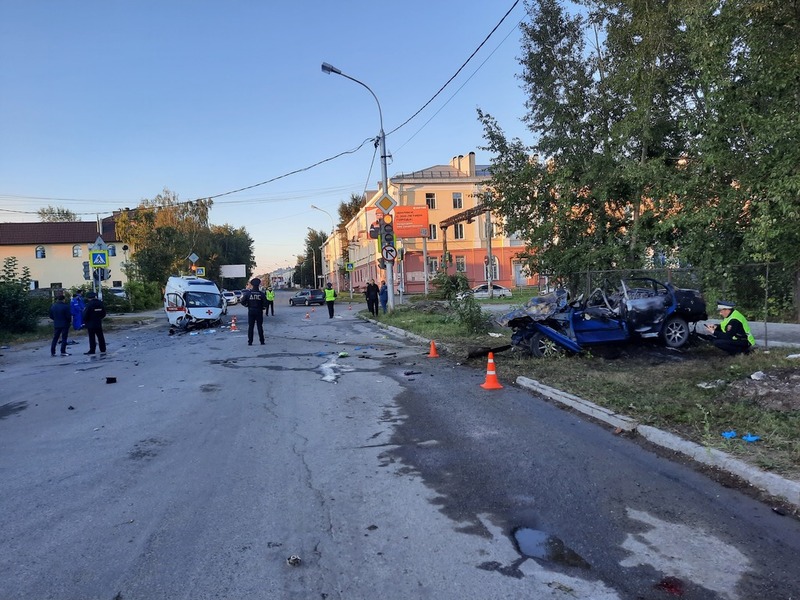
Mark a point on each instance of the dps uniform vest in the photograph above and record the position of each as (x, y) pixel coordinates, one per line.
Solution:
(270, 295)
(256, 301)
(330, 294)
(737, 316)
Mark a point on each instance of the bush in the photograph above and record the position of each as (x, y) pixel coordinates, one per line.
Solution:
(18, 312)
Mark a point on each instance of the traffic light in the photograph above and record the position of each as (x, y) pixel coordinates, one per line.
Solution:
(86, 274)
(387, 230)
(106, 274)
(96, 275)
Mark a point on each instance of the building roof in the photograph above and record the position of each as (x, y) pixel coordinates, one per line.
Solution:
(64, 232)
(442, 172)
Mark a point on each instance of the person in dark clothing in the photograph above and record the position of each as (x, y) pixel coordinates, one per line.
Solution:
(93, 316)
(255, 300)
(60, 313)
(372, 294)
(733, 334)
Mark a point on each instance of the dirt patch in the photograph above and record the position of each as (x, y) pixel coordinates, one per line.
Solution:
(777, 390)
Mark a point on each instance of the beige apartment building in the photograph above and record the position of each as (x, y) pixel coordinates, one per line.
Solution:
(55, 252)
(458, 234)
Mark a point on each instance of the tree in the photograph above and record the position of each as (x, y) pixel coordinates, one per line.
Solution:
(676, 134)
(347, 212)
(56, 214)
(18, 313)
(164, 231)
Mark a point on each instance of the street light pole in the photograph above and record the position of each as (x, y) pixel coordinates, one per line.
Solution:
(333, 239)
(314, 259)
(328, 68)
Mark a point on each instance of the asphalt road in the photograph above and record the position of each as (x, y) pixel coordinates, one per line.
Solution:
(391, 475)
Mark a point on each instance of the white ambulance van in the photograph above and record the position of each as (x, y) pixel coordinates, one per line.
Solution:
(192, 302)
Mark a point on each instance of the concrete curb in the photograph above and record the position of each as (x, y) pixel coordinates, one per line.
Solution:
(769, 482)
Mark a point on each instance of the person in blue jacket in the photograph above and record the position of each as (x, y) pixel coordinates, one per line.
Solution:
(384, 296)
(60, 313)
(76, 307)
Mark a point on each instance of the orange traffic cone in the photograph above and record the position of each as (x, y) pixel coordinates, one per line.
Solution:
(491, 382)
(308, 315)
(233, 324)
(433, 353)
(313, 309)
(349, 307)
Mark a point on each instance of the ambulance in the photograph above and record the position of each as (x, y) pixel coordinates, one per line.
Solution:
(192, 302)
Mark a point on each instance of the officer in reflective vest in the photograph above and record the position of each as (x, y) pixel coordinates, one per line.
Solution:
(270, 308)
(330, 297)
(732, 335)
(254, 299)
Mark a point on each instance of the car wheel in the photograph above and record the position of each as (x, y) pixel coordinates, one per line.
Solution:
(543, 347)
(675, 333)
(306, 302)
(291, 302)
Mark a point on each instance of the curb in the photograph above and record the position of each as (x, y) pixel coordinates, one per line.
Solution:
(773, 484)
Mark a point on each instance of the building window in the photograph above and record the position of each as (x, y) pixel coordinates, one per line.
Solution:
(430, 200)
(458, 200)
(461, 264)
(458, 231)
(116, 283)
(495, 270)
(40, 253)
(77, 251)
(56, 285)
(112, 250)
(432, 233)
(433, 265)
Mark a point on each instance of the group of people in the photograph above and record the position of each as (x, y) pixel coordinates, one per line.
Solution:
(80, 315)
(374, 295)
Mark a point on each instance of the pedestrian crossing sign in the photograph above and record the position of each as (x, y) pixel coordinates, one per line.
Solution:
(98, 259)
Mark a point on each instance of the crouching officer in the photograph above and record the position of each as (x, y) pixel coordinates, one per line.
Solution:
(733, 334)
(255, 300)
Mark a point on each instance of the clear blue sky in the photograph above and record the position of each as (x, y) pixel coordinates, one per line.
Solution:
(107, 102)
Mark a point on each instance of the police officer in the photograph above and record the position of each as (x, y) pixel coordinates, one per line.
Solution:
(255, 300)
(732, 335)
(330, 297)
(270, 309)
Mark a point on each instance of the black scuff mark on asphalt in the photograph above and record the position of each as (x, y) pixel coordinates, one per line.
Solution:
(12, 408)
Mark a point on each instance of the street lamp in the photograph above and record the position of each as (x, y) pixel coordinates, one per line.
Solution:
(314, 258)
(333, 238)
(327, 68)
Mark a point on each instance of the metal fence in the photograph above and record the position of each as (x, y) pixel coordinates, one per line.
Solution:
(763, 291)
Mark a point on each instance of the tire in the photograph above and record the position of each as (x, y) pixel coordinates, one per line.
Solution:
(675, 333)
(291, 302)
(306, 302)
(542, 346)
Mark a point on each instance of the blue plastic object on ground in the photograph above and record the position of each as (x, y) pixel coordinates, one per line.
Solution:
(751, 438)
(729, 434)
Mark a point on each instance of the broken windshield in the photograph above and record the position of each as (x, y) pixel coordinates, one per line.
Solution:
(198, 299)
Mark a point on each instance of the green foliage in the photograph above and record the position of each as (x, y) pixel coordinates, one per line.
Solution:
(162, 232)
(465, 309)
(449, 286)
(18, 311)
(666, 127)
(56, 214)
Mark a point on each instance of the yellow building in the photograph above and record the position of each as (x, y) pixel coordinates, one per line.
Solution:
(457, 230)
(55, 252)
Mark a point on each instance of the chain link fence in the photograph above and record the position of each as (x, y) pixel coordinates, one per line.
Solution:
(762, 291)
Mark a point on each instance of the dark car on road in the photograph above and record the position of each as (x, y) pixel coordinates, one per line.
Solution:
(307, 297)
(639, 308)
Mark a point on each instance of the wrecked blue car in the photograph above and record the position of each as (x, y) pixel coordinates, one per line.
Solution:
(640, 308)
